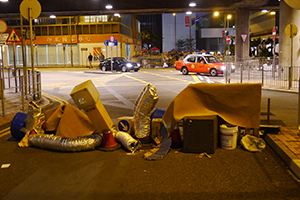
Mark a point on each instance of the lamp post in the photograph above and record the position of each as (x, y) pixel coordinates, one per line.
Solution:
(227, 20)
(190, 14)
(174, 14)
(226, 25)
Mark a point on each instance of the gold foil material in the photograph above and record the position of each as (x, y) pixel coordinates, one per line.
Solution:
(50, 141)
(142, 111)
(34, 121)
(127, 140)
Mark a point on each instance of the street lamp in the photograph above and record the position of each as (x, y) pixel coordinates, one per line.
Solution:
(108, 6)
(192, 4)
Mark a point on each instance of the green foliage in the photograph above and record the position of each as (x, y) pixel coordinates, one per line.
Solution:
(184, 44)
(150, 38)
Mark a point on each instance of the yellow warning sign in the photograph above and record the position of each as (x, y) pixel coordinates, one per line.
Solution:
(97, 51)
(13, 36)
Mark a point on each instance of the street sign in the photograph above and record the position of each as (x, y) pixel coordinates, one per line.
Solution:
(13, 36)
(106, 42)
(116, 42)
(3, 37)
(3, 26)
(27, 35)
(112, 38)
(228, 39)
(274, 33)
(291, 30)
(35, 7)
(293, 3)
(244, 37)
(123, 125)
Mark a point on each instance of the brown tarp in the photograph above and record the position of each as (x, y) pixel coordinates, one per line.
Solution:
(237, 104)
(68, 121)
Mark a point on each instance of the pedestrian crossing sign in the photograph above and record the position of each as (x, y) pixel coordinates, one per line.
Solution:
(13, 36)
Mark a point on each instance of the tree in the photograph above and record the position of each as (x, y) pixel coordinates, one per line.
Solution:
(151, 39)
(184, 44)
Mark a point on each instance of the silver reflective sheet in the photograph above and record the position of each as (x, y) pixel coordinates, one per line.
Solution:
(143, 110)
(50, 141)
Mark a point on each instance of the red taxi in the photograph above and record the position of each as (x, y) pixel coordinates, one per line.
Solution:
(202, 63)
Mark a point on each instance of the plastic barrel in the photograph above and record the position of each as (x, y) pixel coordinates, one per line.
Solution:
(18, 122)
(157, 113)
(228, 137)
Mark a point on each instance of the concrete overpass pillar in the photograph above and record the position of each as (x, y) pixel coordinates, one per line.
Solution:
(288, 15)
(242, 24)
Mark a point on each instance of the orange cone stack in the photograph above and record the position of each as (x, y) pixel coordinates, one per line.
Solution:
(108, 142)
(176, 138)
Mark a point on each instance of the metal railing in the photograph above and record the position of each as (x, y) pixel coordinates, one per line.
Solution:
(14, 93)
(263, 71)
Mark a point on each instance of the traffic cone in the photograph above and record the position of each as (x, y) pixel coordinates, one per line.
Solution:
(176, 138)
(108, 142)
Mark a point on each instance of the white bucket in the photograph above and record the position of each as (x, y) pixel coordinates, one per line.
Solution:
(228, 136)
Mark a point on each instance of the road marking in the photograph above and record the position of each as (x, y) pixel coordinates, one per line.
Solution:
(169, 77)
(82, 80)
(196, 78)
(125, 101)
(136, 79)
(54, 98)
(4, 132)
(100, 82)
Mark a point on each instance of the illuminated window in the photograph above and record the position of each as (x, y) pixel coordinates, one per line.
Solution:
(95, 18)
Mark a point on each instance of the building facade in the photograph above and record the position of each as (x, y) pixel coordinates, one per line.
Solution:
(70, 40)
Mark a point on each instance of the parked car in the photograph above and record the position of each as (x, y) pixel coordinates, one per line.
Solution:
(119, 64)
(202, 63)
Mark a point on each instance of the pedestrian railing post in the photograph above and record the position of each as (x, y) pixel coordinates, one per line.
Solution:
(28, 82)
(22, 91)
(2, 96)
(38, 84)
(262, 76)
(241, 66)
(8, 75)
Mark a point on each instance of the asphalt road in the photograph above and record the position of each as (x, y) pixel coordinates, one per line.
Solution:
(229, 174)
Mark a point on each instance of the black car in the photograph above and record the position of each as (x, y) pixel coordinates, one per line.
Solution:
(119, 64)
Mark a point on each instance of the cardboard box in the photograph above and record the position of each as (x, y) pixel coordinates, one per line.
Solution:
(85, 94)
(99, 117)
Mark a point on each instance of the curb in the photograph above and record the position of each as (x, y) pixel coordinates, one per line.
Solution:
(292, 161)
(44, 103)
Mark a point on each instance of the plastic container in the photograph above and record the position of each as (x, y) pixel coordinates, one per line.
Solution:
(157, 113)
(228, 136)
(18, 122)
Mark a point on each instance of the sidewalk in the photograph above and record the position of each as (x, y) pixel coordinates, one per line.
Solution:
(286, 143)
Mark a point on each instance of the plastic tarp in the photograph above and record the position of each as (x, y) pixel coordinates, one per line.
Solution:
(68, 121)
(238, 104)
